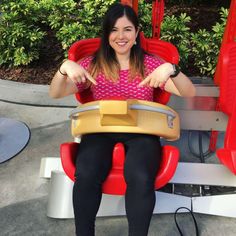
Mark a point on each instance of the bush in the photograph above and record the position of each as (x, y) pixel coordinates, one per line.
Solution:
(82, 24)
(20, 34)
(175, 30)
(24, 25)
(206, 45)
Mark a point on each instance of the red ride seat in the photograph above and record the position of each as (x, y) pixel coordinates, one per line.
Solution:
(227, 103)
(115, 183)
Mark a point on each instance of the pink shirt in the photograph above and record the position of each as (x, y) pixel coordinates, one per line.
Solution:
(123, 88)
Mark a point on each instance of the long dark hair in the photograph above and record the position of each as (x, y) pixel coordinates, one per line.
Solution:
(105, 59)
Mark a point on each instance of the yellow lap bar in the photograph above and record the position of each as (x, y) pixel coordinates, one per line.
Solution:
(131, 116)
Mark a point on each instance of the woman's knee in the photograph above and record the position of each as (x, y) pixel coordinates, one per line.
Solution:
(92, 174)
(140, 179)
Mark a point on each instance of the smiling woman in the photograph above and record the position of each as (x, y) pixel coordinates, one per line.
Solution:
(119, 68)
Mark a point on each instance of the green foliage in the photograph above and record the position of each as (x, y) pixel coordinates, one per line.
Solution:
(20, 35)
(189, 2)
(175, 30)
(206, 45)
(23, 25)
(145, 17)
(85, 24)
(72, 21)
(62, 17)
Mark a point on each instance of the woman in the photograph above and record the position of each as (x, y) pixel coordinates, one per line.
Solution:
(119, 68)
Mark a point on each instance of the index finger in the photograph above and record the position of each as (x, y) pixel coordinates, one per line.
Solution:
(145, 81)
(90, 78)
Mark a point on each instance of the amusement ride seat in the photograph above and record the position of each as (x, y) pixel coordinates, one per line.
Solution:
(227, 103)
(115, 183)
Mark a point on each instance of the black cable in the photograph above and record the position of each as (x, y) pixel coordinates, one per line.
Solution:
(194, 220)
(202, 155)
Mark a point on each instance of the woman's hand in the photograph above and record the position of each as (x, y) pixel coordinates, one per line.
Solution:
(75, 72)
(179, 85)
(65, 80)
(159, 76)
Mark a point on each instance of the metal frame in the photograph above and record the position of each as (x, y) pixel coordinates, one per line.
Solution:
(60, 195)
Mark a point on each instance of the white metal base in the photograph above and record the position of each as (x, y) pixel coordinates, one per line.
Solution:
(60, 195)
(221, 205)
(60, 200)
(166, 203)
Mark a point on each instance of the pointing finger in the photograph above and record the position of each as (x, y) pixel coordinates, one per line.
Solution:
(90, 78)
(145, 81)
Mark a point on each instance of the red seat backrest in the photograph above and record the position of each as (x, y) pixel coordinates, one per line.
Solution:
(227, 72)
(165, 50)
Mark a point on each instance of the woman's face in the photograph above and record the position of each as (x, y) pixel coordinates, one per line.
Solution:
(122, 36)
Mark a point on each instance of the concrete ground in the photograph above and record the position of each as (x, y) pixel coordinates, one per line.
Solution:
(24, 195)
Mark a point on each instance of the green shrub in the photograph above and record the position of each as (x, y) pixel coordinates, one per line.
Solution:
(85, 23)
(188, 2)
(206, 45)
(175, 30)
(20, 34)
(24, 25)
(145, 17)
(62, 18)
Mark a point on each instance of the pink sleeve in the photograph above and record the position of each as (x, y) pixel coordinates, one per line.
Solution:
(85, 62)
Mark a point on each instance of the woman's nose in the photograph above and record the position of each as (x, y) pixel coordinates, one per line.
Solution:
(121, 34)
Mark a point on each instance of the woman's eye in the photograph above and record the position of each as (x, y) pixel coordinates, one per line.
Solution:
(113, 30)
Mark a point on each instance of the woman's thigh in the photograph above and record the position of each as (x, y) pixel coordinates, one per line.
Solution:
(94, 158)
(143, 156)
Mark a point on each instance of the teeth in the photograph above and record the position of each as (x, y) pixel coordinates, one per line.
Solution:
(121, 44)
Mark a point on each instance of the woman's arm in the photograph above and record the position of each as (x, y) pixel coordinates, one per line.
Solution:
(64, 81)
(179, 85)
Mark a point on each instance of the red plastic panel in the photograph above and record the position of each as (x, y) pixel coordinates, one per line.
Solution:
(157, 17)
(68, 153)
(228, 158)
(230, 29)
(118, 156)
(229, 36)
(227, 155)
(230, 135)
(227, 103)
(83, 48)
(115, 182)
(227, 67)
(169, 162)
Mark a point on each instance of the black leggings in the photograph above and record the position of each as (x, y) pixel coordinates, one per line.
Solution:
(143, 153)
